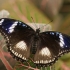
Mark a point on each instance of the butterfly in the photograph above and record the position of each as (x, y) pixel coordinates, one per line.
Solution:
(23, 41)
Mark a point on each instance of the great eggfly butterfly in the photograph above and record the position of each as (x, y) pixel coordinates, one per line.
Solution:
(23, 41)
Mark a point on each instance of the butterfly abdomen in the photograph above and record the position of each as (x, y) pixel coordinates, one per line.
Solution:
(35, 40)
(34, 44)
(34, 47)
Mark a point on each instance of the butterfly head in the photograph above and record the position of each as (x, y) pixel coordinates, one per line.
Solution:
(37, 31)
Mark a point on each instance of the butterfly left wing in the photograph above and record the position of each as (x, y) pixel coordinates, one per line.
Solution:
(51, 46)
(18, 36)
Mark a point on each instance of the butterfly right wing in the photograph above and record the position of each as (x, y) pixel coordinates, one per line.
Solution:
(18, 37)
(51, 45)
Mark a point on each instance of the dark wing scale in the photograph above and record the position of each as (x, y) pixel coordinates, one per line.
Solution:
(18, 36)
(51, 46)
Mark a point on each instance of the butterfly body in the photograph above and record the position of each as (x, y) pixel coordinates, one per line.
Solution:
(22, 41)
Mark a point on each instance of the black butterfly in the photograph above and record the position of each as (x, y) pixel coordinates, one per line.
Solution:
(23, 41)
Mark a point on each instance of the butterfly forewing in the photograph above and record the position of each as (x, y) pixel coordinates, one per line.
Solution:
(52, 45)
(18, 36)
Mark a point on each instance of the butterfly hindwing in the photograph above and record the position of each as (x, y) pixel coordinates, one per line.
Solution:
(18, 35)
(52, 45)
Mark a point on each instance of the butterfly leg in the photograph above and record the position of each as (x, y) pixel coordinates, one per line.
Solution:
(52, 67)
(45, 68)
(41, 68)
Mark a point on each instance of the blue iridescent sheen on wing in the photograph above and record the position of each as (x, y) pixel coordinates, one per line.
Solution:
(9, 24)
(60, 37)
(66, 40)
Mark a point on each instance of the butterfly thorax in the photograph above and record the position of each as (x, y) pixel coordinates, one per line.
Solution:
(37, 31)
(35, 42)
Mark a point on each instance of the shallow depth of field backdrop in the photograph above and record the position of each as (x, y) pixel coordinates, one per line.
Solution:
(42, 11)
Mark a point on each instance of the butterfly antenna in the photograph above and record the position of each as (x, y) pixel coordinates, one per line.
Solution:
(46, 25)
(34, 22)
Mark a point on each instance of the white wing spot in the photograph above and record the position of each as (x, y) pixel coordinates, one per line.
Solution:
(21, 45)
(61, 41)
(11, 29)
(45, 52)
(2, 20)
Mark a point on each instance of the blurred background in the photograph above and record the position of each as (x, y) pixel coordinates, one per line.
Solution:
(42, 11)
